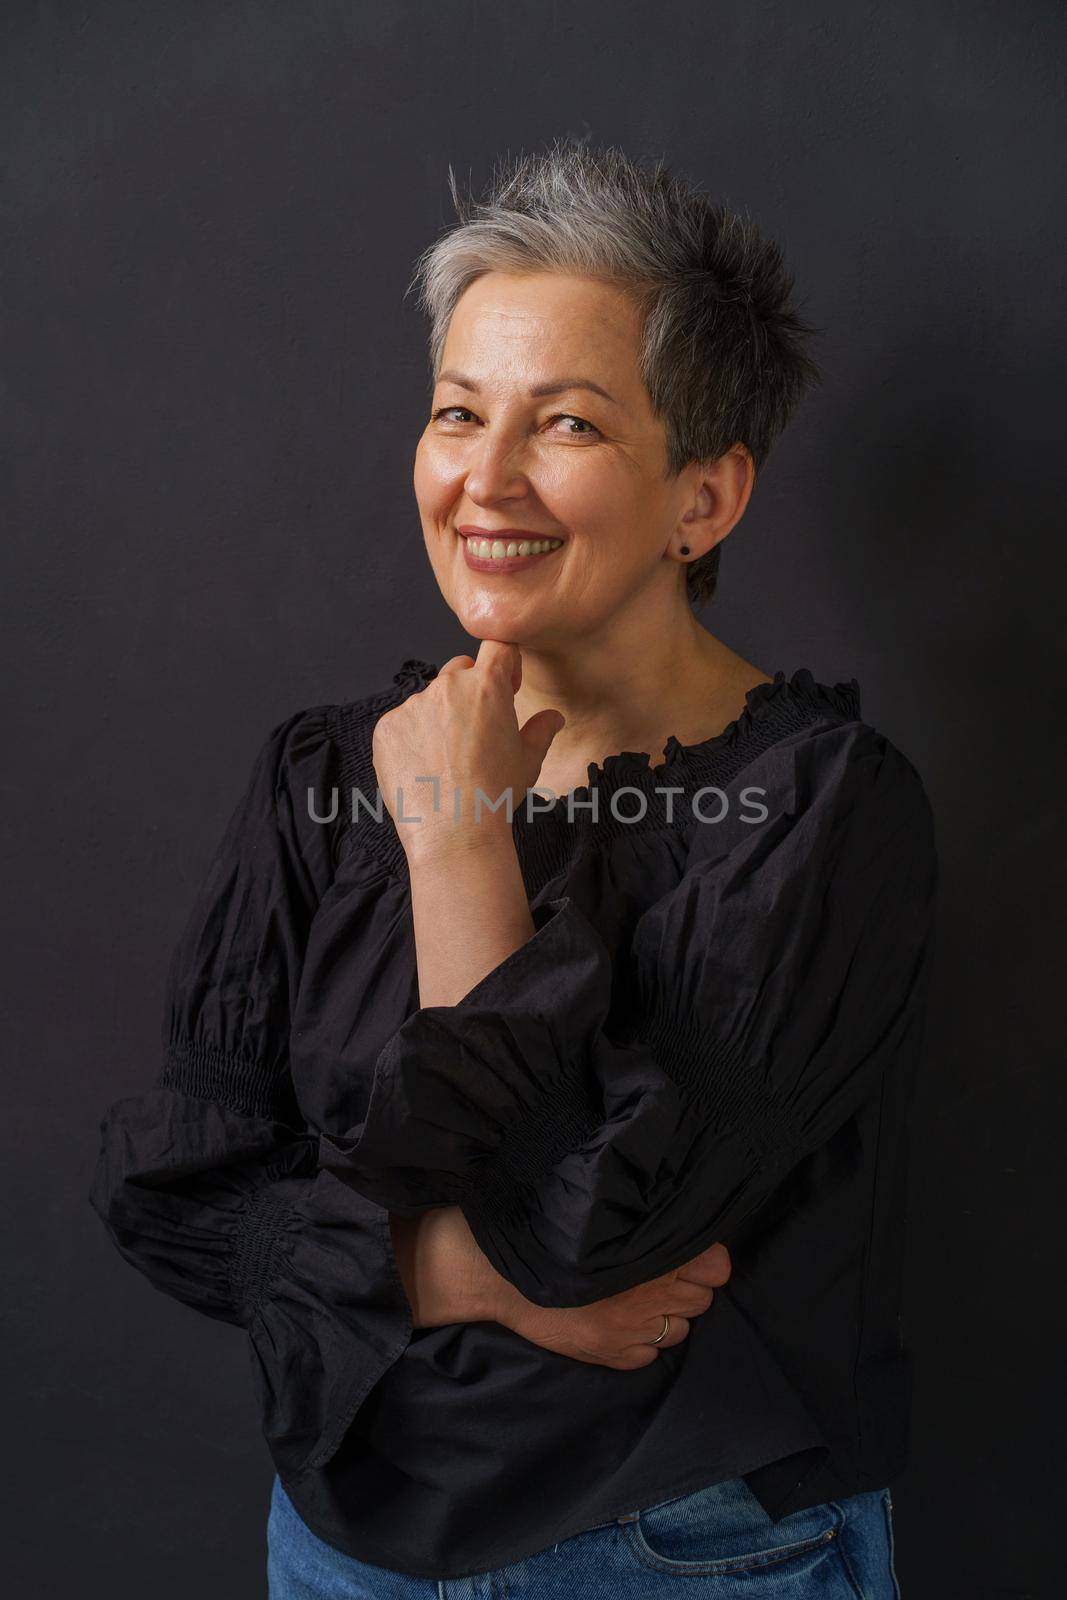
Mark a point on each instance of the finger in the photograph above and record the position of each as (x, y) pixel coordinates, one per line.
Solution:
(678, 1330)
(644, 1353)
(456, 664)
(637, 1356)
(500, 655)
(713, 1266)
(537, 733)
(689, 1300)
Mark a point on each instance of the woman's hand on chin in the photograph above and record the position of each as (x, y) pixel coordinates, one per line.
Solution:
(459, 735)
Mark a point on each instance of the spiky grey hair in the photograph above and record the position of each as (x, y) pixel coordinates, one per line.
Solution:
(722, 348)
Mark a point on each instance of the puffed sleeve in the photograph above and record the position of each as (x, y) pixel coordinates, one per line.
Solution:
(775, 984)
(208, 1182)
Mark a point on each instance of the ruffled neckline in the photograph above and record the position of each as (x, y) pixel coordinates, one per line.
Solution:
(552, 834)
(766, 704)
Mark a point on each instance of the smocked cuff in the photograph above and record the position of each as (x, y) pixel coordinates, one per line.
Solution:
(476, 1096)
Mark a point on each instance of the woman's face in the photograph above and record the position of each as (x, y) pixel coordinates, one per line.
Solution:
(585, 464)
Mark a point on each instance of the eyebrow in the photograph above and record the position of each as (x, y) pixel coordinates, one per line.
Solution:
(557, 386)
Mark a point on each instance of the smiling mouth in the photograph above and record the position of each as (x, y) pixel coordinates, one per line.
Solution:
(503, 549)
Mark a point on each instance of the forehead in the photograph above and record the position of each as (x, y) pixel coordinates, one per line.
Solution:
(543, 326)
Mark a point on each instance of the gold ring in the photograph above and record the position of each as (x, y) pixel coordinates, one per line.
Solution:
(666, 1330)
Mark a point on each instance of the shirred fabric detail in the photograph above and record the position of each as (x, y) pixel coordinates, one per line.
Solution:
(713, 1033)
(774, 980)
(208, 1183)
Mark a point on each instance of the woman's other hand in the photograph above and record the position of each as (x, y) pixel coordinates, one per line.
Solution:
(448, 1278)
(618, 1330)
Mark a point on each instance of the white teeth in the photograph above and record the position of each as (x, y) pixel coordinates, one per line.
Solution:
(497, 549)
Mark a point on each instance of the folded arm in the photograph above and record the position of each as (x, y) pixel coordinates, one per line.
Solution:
(774, 985)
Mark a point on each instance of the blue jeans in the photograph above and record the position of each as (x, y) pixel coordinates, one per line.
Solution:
(716, 1543)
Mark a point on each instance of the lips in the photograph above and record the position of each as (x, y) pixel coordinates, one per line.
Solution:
(488, 551)
(471, 530)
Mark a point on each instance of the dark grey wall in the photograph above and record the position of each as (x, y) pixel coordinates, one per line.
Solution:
(211, 390)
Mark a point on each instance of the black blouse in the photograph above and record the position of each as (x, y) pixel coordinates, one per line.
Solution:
(712, 1034)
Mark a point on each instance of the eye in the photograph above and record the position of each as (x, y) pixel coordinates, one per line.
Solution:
(442, 414)
(442, 410)
(566, 416)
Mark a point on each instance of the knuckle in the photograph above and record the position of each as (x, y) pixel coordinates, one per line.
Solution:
(593, 1336)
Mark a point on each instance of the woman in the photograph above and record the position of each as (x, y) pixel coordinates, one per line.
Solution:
(553, 1155)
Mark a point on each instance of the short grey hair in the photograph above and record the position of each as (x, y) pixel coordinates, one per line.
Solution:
(722, 348)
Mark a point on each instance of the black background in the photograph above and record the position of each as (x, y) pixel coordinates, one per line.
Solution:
(210, 393)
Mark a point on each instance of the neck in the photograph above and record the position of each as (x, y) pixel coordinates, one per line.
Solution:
(630, 696)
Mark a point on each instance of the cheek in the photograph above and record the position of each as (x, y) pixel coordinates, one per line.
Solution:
(611, 526)
(596, 496)
(433, 477)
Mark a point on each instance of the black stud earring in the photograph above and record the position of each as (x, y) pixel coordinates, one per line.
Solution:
(685, 549)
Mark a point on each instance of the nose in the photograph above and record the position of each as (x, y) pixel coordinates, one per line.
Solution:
(495, 471)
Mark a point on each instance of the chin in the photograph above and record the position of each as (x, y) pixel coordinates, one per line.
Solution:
(481, 629)
(498, 622)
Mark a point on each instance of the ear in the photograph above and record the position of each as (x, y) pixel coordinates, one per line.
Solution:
(723, 489)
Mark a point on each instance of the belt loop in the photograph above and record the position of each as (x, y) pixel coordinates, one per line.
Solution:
(628, 1516)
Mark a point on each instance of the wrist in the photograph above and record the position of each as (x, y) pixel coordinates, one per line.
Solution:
(448, 844)
(511, 1308)
(446, 1276)
(478, 1292)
